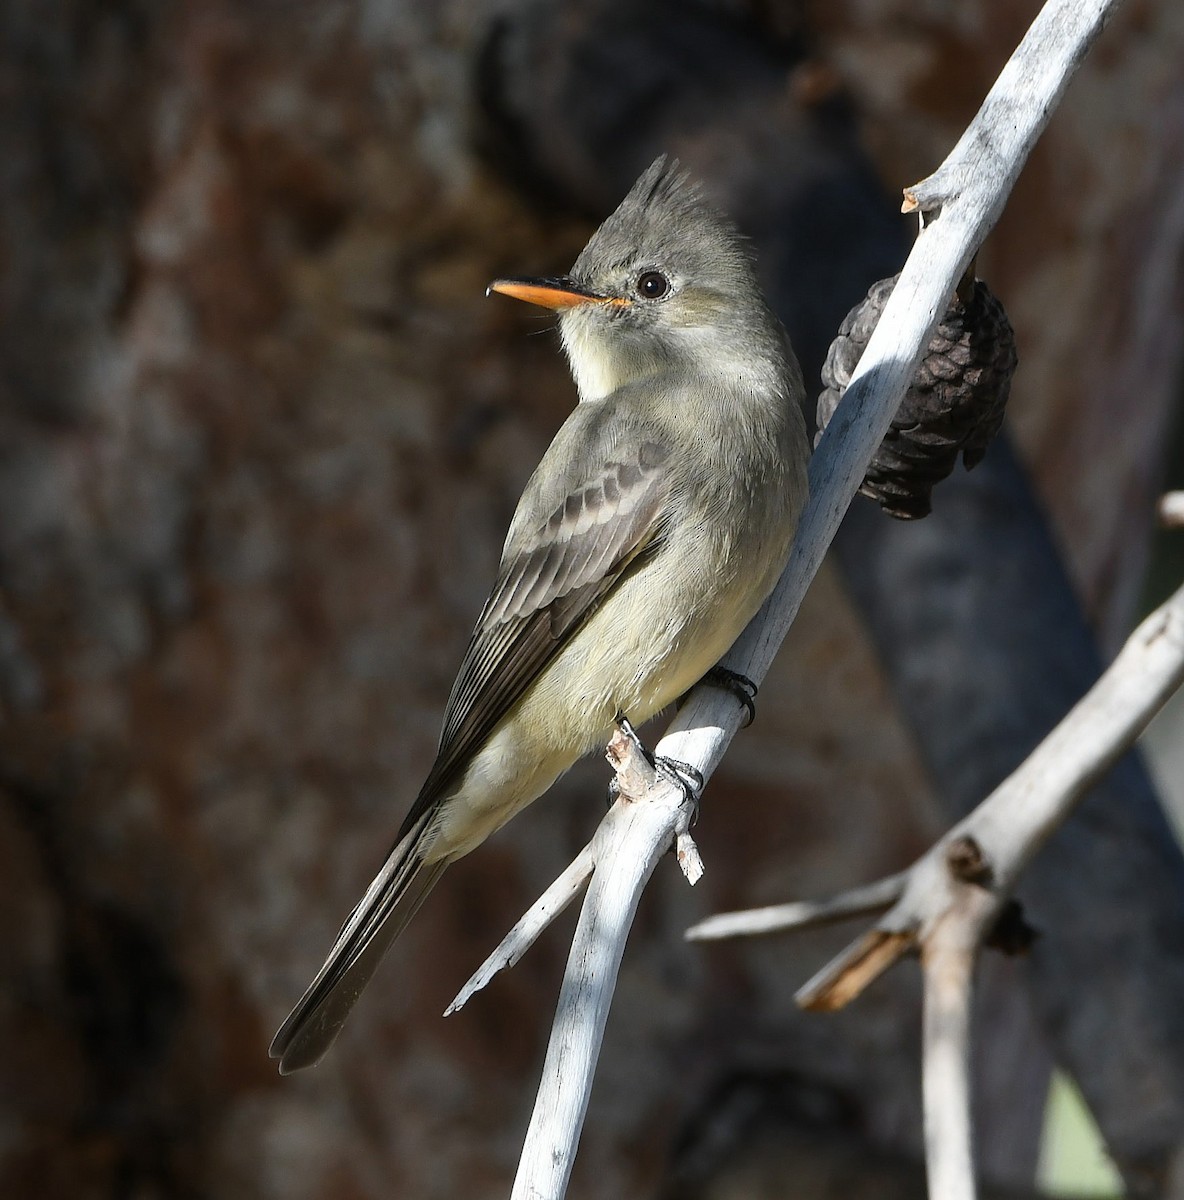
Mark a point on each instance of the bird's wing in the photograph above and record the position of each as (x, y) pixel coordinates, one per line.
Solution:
(550, 581)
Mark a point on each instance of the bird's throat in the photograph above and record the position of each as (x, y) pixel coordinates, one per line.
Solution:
(605, 360)
(595, 365)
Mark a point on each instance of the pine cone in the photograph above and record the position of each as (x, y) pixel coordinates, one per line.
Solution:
(955, 402)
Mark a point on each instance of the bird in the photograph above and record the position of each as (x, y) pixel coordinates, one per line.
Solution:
(654, 527)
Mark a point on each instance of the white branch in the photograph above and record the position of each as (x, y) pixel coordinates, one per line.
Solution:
(637, 780)
(631, 839)
(1016, 819)
(948, 964)
(960, 203)
(520, 939)
(800, 914)
(1010, 825)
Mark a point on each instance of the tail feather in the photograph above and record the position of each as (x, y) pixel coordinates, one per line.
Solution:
(391, 900)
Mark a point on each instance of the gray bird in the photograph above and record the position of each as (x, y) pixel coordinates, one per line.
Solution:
(652, 530)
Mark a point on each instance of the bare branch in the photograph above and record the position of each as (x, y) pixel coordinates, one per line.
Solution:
(802, 914)
(520, 939)
(1011, 824)
(636, 779)
(649, 813)
(948, 964)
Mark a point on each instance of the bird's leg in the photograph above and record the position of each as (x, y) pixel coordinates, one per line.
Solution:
(685, 777)
(623, 723)
(739, 685)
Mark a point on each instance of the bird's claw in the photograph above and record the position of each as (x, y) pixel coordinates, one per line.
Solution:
(743, 688)
(684, 776)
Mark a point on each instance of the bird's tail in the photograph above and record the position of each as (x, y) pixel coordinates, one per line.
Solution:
(390, 902)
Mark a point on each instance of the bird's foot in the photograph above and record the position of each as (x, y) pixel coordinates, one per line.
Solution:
(684, 776)
(739, 685)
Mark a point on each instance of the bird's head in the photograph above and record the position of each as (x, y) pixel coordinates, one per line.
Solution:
(665, 284)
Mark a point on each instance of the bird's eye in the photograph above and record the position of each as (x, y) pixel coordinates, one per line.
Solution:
(652, 285)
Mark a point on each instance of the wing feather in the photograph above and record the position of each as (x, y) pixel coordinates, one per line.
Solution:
(548, 584)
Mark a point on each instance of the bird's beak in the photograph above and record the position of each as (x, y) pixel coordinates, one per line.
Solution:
(550, 293)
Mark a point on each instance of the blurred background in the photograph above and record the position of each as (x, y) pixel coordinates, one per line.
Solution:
(260, 438)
